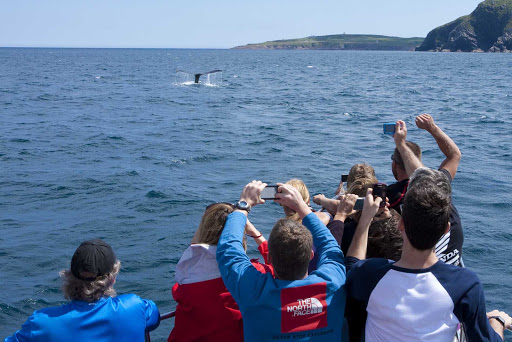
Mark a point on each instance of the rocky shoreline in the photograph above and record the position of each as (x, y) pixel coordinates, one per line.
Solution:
(487, 29)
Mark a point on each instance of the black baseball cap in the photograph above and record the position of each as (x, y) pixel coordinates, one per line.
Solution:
(94, 257)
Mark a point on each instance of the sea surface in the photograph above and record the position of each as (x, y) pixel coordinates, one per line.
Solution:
(112, 144)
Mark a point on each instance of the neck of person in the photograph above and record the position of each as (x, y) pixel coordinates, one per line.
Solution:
(401, 175)
(416, 259)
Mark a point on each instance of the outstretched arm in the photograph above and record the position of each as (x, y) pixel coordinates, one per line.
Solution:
(445, 143)
(411, 162)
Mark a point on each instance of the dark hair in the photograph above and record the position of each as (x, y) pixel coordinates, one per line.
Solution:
(398, 158)
(384, 238)
(426, 209)
(289, 246)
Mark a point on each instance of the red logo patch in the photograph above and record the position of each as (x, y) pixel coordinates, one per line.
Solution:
(303, 308)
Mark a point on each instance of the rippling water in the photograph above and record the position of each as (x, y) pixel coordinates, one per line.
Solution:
(103, 143)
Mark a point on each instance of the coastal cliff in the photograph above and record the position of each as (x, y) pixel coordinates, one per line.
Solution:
(339, 42)
(487, 29)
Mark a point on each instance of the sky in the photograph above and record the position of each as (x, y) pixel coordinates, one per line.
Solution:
(213, 24)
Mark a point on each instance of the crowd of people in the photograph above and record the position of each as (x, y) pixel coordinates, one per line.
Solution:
(391, 271)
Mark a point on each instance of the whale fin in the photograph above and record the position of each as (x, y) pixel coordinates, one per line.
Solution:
(196, 76)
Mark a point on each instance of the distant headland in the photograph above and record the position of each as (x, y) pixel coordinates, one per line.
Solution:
(487, 29)
(339, 42)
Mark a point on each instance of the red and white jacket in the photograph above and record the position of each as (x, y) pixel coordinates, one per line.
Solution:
(206, 311)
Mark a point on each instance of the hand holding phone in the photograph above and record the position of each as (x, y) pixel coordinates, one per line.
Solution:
(359, 203)
(379, 190)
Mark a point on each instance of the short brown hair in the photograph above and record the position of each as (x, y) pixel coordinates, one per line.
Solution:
(426, 210)
(384, 238)
(398, 158)
(290, 245)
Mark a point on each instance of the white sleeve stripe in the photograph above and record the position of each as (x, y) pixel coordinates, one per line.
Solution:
(441, 246)
(444, 238)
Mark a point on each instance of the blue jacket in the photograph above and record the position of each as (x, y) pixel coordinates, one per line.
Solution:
(122, 318)
(309, 309)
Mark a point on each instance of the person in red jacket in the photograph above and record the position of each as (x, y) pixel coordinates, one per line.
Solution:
(206, 311)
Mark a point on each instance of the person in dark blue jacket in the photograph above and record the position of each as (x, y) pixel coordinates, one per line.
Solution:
(94, 313)
(419, 297)
(293, 305)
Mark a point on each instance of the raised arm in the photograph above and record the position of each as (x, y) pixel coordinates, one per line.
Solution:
(445, 143)
(411, 162)
(330, 256)
(251, 231)
(359, 243)
(239, 275)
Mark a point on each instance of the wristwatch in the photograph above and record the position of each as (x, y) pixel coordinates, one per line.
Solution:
(243, 205)
(499, 319)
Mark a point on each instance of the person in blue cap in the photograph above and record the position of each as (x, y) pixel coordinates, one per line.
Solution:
(94, 313)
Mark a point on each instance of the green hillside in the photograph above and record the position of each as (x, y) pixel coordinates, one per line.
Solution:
(487, 29)
(340, 42)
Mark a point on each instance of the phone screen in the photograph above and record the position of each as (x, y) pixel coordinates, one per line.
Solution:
(269, 192)
(389, 128)
(359, 204)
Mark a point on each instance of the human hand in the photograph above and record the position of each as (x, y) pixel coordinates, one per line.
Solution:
(318, 199)
(504, 315)
(346, 204)
(290, 197)
(400, 132)
(345, 207)
(371, 205)
(426, 122)
(252, 193)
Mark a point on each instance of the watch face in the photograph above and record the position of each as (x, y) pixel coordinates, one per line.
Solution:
(243, 205)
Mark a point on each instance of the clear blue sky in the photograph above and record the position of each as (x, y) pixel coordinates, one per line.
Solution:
(213, 24)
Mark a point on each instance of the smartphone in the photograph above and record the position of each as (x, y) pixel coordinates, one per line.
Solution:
(359, 204)
(389, 128)
(344, 178)
(269, 192)
(379, 190)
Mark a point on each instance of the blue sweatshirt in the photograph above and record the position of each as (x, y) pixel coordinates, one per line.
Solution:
(122, 318)
(309, 309)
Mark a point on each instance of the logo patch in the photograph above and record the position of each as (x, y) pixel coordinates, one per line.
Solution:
(303, 308)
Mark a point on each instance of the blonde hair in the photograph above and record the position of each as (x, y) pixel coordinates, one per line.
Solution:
(304, 192)
(362, 170)
(359, 188)
(360, 185)
(212, 223)
(89, 291)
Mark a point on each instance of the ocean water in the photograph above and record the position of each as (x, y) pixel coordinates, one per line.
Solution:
(108, 143)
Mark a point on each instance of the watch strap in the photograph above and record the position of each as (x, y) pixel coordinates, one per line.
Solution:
(499, 319)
